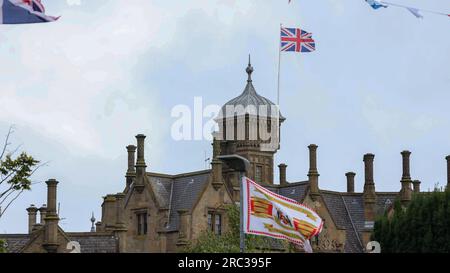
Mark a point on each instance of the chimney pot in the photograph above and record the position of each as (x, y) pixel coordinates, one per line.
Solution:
(140, 150)
(43, 212)
(350, 182)
(369, 193)
(32, 210)
(406, 191)
(369, 184)
(51, 218)
(416, 185)
(313, 158)
(406, 168)
(313, 174)
(131, 171)
(368, 168)
(282, 167)
(140, 163)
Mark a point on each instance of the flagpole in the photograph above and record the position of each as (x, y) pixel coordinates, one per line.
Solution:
(279, 68)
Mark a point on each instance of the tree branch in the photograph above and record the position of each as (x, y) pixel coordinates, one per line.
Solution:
(10, 131)
(7, 176)
(15, 197)
(11, 153)
(8, 192)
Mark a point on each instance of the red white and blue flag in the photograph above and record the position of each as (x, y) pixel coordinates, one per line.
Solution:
(23, 12)
(296, 40)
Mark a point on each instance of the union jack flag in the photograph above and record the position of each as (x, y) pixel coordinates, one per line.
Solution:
(297, 40)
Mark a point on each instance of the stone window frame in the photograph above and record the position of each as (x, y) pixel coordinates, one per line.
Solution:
(261, 168)
(141, 228)
(212, 221)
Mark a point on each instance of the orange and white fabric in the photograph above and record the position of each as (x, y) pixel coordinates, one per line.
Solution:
(269, 214)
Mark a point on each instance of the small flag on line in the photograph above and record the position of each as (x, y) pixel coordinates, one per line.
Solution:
(296, 40)
(269, 214)
(23, 12)
(375, 4)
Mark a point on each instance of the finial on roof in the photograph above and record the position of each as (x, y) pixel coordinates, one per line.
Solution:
(92, 221)
(249, 69)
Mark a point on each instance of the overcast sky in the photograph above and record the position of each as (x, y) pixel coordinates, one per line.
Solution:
(80, 89)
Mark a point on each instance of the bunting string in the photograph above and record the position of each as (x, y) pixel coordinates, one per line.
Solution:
(417, 12)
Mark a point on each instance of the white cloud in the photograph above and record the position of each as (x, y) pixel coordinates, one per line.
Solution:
(55, 76)
(393, 123)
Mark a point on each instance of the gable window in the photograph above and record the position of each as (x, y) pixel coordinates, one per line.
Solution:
(141, 223)
(215, 222)
(258, 174)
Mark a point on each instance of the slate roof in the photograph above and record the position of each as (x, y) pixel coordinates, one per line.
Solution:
(296, 191)
(347, 209)
(162, 187)
(385, 200)
(184, 188)
(249, 97)
(93, 242)
(15, 242)
(90, 242)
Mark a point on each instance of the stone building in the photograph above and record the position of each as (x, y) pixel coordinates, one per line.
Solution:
(46, 236)
(155, 212)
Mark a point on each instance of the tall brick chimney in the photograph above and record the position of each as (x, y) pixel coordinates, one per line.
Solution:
(369, 194)
(32, 210)
(140, 163)
(350, 182)
(282, 168)
(51, 218)
(131, 171)
(313, 174)
(405, 192)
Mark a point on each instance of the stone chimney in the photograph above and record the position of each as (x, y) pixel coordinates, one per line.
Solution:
(350, 182)
(99, 227)
(369, 194)
(120, 221)
(416, 186)
(448, 171)
(121, 228)
(51, 218)
(405, 192)
(109, 212)
(216, 165)
(32, 210)
(43, 213)
(131, 171)
(282, 167)
(313, 175)
(140, 164)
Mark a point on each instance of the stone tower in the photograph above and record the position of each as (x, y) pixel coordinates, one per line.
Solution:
(249, 126)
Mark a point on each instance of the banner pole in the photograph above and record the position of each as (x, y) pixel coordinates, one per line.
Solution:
(241, 212)
(279, 67)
